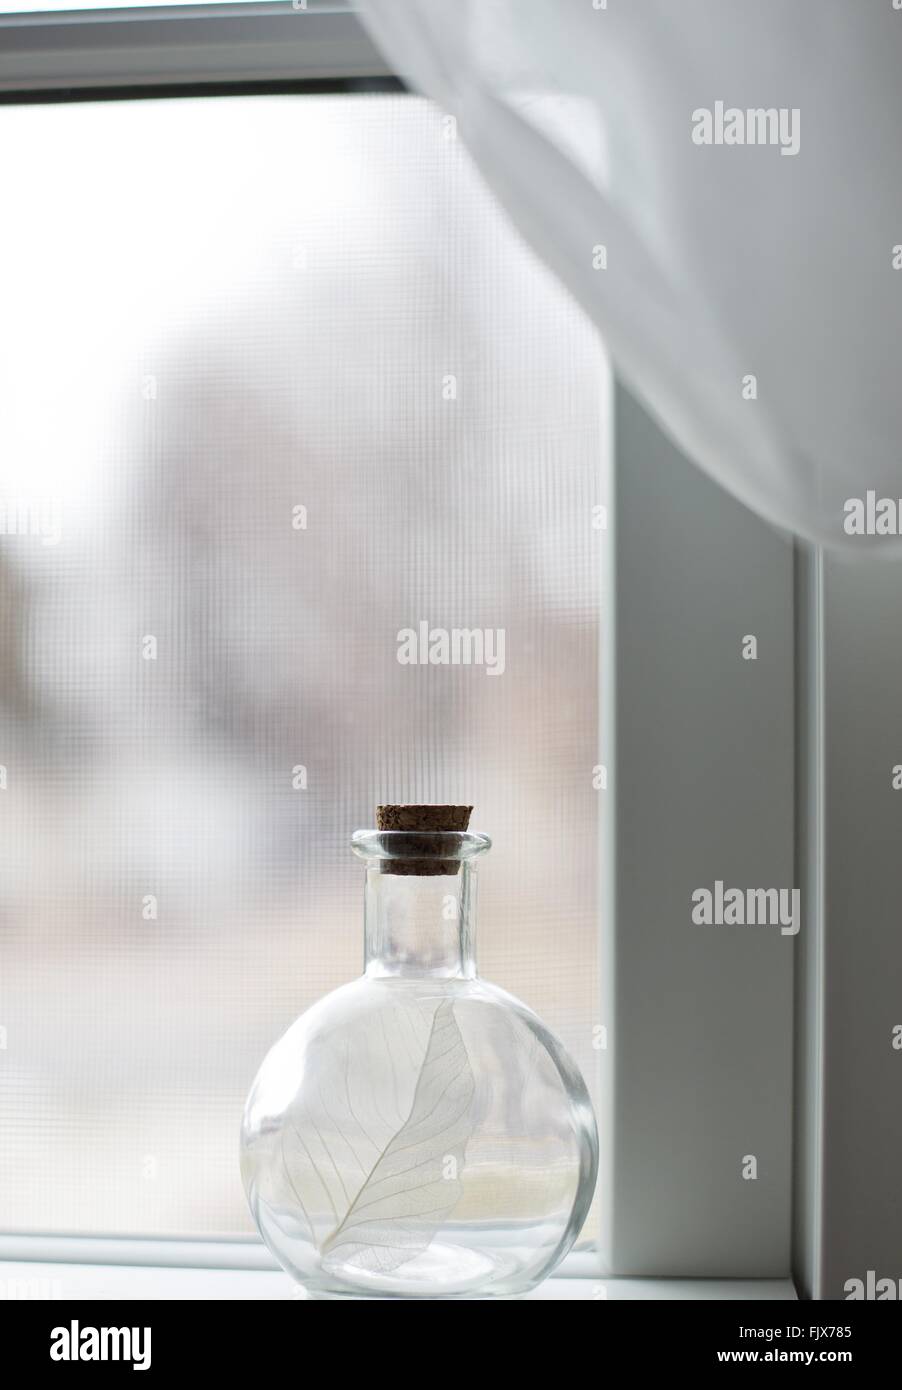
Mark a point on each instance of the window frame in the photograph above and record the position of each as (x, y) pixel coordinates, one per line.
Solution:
(269, 47)
(90, 54)
(169, 52)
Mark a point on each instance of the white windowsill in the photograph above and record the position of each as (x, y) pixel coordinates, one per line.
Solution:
(63, 1268)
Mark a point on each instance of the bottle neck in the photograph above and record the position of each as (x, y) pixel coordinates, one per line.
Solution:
(420, 925)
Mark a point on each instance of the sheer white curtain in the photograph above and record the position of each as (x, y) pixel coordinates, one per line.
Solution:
(750, 290)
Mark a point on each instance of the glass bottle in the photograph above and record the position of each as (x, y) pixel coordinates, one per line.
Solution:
(419, 1133)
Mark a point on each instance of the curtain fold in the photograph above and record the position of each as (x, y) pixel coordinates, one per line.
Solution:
(718, 186)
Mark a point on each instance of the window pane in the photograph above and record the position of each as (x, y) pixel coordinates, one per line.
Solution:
(277, 380)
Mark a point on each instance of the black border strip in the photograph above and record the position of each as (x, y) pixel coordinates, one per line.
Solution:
(158, 91)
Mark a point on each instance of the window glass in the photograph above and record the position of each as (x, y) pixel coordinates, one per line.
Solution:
(277, 381)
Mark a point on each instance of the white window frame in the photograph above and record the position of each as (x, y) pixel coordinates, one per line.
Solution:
(185, 46)
(275, 46)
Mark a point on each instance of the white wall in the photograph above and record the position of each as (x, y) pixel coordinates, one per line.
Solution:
(849, 1149)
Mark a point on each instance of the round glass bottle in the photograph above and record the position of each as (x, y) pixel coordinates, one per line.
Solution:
(419, 1133)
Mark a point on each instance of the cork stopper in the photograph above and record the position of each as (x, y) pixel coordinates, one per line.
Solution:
(423, 817)
(422, 822)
